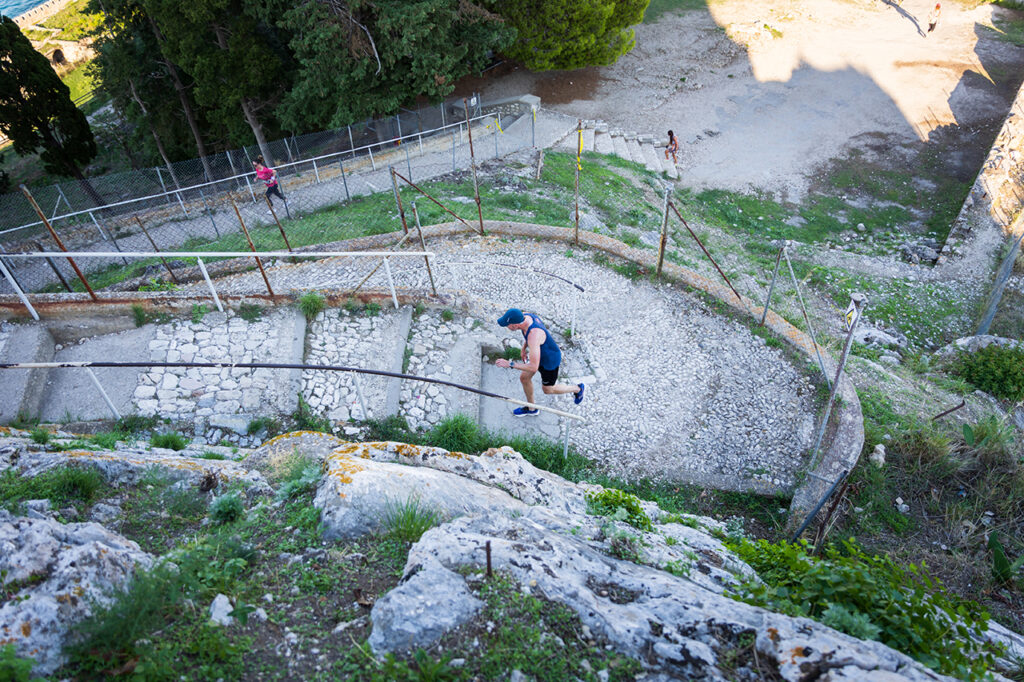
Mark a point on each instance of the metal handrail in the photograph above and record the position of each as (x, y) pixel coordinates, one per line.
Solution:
(88, 364)
(242, 175)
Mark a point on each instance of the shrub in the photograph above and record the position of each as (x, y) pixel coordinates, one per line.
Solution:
(40, 435)
(198, 312)
(12, 668)
(991, 440)
(447, 315)
(139, 313)
(269, 424)
(308, 420)
(299, 475)
(393, 427)
(134, 423)
(998, 370)
(311, 304)
(408, 521)
(212, 455)
(620, 506)
(250, 312)
(226, 509)
(372, 309)
(862, 593)
(457, 433)
(106, 439)
(170, 441)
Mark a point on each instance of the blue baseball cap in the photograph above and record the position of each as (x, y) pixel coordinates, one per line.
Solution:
(511, 316)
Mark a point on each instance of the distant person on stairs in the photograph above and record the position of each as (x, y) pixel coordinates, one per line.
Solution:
(269, 178)
(672, 148)
(933, 17)
(539, 352)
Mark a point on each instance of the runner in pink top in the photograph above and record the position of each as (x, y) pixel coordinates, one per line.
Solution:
(269, 177)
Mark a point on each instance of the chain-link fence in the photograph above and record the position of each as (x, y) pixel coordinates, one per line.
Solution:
(78, 202)
(215, 216)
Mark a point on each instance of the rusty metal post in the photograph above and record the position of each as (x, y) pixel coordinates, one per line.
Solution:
(472, 164)
(252, 246)
(53, 233)
(701, 245)
(423, 245)
(398, 199)
(664, 232)
(155, 248)
(771, 287)
(279, 227)
(427, 195)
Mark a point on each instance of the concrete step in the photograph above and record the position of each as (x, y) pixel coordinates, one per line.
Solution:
(620, 148)
(603, 143)
(23, 389)
(588, 139)
(636, 154)
(650, 157)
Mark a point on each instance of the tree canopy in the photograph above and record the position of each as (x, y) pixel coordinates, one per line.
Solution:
(36, 111)
(570, 34)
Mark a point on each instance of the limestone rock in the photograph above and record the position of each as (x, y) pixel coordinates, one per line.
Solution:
(270, 456)
(877, 456)
(220, 611)
(56, 570)
(430, 601)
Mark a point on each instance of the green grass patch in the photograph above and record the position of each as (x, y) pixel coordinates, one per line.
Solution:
(170, 441)
(63, 485)
(74, 21)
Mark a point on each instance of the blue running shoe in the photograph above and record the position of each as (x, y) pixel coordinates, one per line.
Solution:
(524, 412)
(579, 396)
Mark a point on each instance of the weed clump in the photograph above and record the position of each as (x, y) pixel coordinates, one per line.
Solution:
(997, 370)
(227, 509)
(170, 441)
(620, 506)
(311, 304)
(408, 521)
(61, 485)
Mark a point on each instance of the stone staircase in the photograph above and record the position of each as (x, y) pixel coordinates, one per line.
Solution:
(646, 150)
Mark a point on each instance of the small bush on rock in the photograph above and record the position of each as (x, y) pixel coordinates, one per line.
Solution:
(169, 441)
(12, 668)
(408, 521)
(997, 370)
(308, 420)
(40, 436)
(311, 304)
(227, 509)
(619, 505)
(859, 594)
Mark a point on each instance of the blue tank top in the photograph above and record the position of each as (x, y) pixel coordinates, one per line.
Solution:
(550, 354)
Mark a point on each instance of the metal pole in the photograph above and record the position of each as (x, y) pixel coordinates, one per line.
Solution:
(209, 283)
(565, 444)
(17, 290)
(163, 187)
(110, 239)
(106, 398)
(99, 228)
(53, 233)
(408, 164)
(252, 246)
(533, 126)
(453, 152)
(359, 394)
(53, 266)
(858, 301)
(472, 164)
(496, 139)
(344, 180)
(274, 213)
(423, 245)
(181, 203)
(316, 172)
(351, 144)
(398, 200)
(579, 146)
(57, 205)
(391, 282)
(807, 320)
(249, 185)
(771, 287)
(162, 259)
(575, 303)
(373, 164)
(818, 506)
(209, 213)
(664, 233)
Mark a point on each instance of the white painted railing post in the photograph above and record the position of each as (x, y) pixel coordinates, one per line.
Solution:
(106, 398)
(17, 290)
(209, 283)
(391, 282)
(359, 394)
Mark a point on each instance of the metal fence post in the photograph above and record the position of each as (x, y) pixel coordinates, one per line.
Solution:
(351, 144)
(495, 139)
(857, 303)
(344, 180)
(533, 126)
(391, 282)
(807, 319)
(316, 172)
(408, 164)
(163, 187)
(249, 185)
(209, 283)
(664, 233)
(53, 266)
(209, 213)
(359, 394)
(60, 244)
(771, 287)
(472, 164)
(17, 289)
(110, 238)
(106, 398)
(565, 444)
(453, 151)
(373, 164)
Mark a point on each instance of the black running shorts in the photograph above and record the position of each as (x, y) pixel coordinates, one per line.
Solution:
(548, 377)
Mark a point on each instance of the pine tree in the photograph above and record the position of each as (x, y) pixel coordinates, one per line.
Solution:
(36, 111)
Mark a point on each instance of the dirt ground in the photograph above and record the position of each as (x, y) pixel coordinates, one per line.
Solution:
(764, 95)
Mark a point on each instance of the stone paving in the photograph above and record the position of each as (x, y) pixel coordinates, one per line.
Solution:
(4, 333)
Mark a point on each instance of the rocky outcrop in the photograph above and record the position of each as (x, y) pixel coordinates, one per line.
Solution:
(655, 593)
(52, 573)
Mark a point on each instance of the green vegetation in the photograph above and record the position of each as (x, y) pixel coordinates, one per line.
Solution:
(620, 506)
(12, 668)
(408, 521)
(80, 82)
(657, 8)
(62, 485)
(74, 21)
(227, 508)
(40, 436)
(998, 370)
(902, 607)
(311, 304)
(307, 420)
(170, 441)
(271, 426)
(250, 312)
(198, 312)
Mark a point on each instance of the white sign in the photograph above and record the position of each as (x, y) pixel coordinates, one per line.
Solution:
(851, 315)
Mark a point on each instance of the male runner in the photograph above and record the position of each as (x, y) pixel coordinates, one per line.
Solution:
(543, 354)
